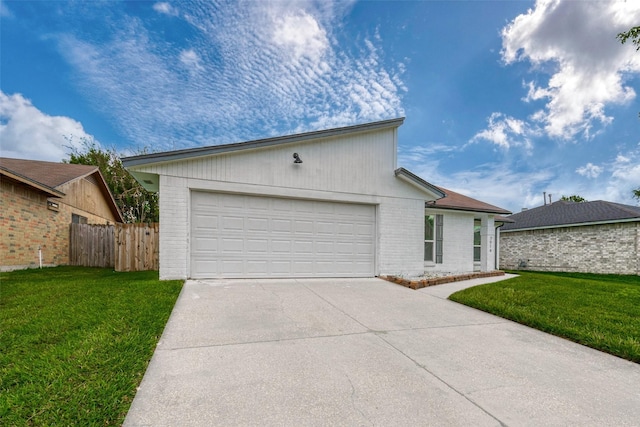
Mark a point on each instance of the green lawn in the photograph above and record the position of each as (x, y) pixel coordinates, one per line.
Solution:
(75, 342)
(599, 311)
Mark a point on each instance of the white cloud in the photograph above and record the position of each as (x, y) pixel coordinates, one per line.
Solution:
(4, 10)
(590, 170)
(576, 40)
(271, 68)
(300, 34)
(506, 132)
(625, 176)
(166, 8)
(191, 60)
(28, 133)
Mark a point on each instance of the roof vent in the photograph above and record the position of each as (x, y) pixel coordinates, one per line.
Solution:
(524, 209)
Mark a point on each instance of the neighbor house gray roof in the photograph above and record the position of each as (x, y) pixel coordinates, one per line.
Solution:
(565, 213)
(259, 143)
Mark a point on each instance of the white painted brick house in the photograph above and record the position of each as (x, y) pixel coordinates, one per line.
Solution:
(329, 203)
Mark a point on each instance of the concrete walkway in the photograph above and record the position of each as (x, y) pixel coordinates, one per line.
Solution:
(368, 352)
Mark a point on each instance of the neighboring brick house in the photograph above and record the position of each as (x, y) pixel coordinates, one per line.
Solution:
(38, 201)
(592, 237)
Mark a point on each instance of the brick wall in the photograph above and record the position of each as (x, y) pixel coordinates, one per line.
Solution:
(27, 225)
(605, 249)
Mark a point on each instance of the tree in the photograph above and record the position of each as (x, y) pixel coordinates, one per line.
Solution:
(636, 193)
(575, 198)
(633, 34)
(135, 203)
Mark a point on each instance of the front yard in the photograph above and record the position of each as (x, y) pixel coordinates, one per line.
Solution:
(599, 311)
(76, 342)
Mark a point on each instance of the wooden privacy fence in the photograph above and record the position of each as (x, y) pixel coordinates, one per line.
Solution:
(124, 247)
(91, 245)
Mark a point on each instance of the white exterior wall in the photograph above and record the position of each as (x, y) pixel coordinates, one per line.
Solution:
(353, 169)
(174, 228)
(458, 242)
(400, 237)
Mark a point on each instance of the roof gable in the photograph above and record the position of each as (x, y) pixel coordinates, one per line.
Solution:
(48, 177)
(570, 213)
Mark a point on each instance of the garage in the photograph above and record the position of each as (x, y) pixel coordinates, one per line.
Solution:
(238, 236)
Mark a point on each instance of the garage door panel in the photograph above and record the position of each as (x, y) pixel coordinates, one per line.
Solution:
(324, 247)
(203, 244)
(281, 246)
(281, 225)
(257, 225)
(231, 246)
(235, 223)
(258, 246)
(255, 236)
(303, 227)
(302, 247)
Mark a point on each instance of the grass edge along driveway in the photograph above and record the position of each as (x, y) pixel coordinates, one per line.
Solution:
(599, 311)
(76, 342)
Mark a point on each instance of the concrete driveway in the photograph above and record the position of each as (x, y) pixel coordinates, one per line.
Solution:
(368, 352)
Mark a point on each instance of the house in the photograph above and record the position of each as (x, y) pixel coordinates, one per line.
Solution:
(38, 201)
(473, 230)
(593, 237)
(329, 203)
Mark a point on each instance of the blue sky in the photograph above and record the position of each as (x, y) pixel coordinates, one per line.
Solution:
(503, 99)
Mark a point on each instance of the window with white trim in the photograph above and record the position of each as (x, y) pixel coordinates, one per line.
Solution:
(477, 240)
(433, 238)
(429, 237)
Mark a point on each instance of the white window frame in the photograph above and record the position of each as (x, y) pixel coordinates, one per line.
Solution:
(477, 245)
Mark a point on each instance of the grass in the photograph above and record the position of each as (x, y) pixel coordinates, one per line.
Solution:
(75, 342)
(599, 311)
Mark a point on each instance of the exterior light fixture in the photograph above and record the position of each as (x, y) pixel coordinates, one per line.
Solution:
(297, 158)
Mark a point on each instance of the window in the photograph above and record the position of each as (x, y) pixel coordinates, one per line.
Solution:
(429, 237)
(78, 219)
(477, 240)
(433, 231)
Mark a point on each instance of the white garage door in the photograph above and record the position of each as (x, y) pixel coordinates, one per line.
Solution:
(249, 236)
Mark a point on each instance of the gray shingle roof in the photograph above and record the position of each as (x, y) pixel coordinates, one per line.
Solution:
(567, 213)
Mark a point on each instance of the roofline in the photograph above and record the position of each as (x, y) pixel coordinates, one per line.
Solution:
(168, 156)
(575, 224)
(430, 205)
(415, 179)
(35, 184)
(107, 192)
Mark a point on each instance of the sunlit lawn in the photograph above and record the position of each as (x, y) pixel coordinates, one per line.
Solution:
(599, 311)
(75, 342)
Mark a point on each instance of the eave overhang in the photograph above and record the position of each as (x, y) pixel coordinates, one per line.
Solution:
(51, 192)
(416, 181)
(579, 224)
